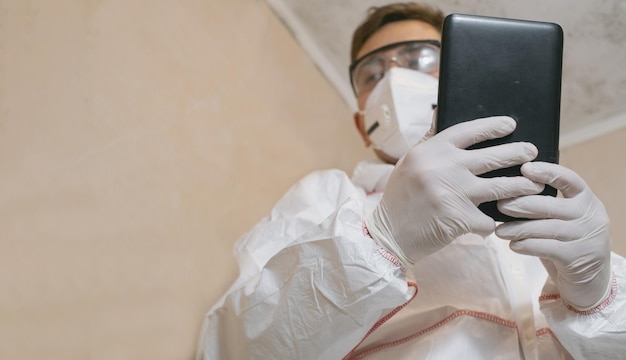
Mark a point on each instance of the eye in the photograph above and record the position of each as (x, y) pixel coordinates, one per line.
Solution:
(369, 74)
(373, 77)
(422, 58)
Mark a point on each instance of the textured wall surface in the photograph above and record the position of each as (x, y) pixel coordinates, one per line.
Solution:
(138, 141)
(594, 80)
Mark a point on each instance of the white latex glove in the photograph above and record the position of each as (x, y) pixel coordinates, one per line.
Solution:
(570, 234)
(433, 192)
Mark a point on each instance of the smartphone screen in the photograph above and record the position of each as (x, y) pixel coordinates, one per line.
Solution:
(496, 66)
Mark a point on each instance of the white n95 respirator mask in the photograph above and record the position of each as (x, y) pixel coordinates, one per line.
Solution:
(399, 110)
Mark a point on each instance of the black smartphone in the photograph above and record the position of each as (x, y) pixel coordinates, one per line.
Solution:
(497, 66)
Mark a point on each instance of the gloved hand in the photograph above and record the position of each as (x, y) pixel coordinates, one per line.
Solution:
(432, 194)
(570, 234)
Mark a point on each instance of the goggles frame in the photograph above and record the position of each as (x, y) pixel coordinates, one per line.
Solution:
(356, 62)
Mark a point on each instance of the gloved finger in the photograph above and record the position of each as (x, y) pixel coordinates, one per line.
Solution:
(542, 248)
(543, 229)
(433, 128)
(472, 132)
(480, 161)
(561, 178)
(482, 224)
(490, 189)
(468, 219)
(540, 207)
(553, 250)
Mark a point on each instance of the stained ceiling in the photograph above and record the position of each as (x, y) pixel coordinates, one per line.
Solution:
(594, 79)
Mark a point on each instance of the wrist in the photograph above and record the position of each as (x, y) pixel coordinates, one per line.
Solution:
(612, 291)
(605, 289)
(378, 228)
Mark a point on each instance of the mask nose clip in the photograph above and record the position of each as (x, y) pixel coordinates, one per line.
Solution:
(391, 60)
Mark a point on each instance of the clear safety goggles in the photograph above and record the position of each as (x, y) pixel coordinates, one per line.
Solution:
(420, 55)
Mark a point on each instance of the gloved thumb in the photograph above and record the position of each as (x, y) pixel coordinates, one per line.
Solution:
(433, 128)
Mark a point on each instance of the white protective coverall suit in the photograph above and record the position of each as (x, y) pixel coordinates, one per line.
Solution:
(314, 285)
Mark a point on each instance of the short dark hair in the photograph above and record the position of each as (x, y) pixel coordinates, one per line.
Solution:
(378, 17)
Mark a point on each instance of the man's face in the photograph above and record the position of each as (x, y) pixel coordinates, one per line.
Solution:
(392, 33)
(395, 32)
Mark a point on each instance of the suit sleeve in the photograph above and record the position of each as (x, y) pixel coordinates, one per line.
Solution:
(599, 333)
(311, 282)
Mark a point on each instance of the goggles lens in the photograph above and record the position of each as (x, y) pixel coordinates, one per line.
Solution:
(420, 55)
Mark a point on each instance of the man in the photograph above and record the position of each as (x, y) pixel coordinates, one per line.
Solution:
(341, 270)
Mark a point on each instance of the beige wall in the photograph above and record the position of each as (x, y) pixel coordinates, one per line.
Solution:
(138, 140)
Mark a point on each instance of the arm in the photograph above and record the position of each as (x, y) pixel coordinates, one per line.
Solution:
(311, 284)
(584, 302)
(597, 333)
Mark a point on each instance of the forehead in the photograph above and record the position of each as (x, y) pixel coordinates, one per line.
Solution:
(394, 32)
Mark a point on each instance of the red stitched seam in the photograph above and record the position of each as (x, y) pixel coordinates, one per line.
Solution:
(547, 331)
(386, 254)
(544, 331)
(366, 231)
(390, 257)
(383, 320)
(454, 315)
(596, 309)
(549, 297)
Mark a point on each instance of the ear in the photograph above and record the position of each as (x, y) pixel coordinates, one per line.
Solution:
(359, 122)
